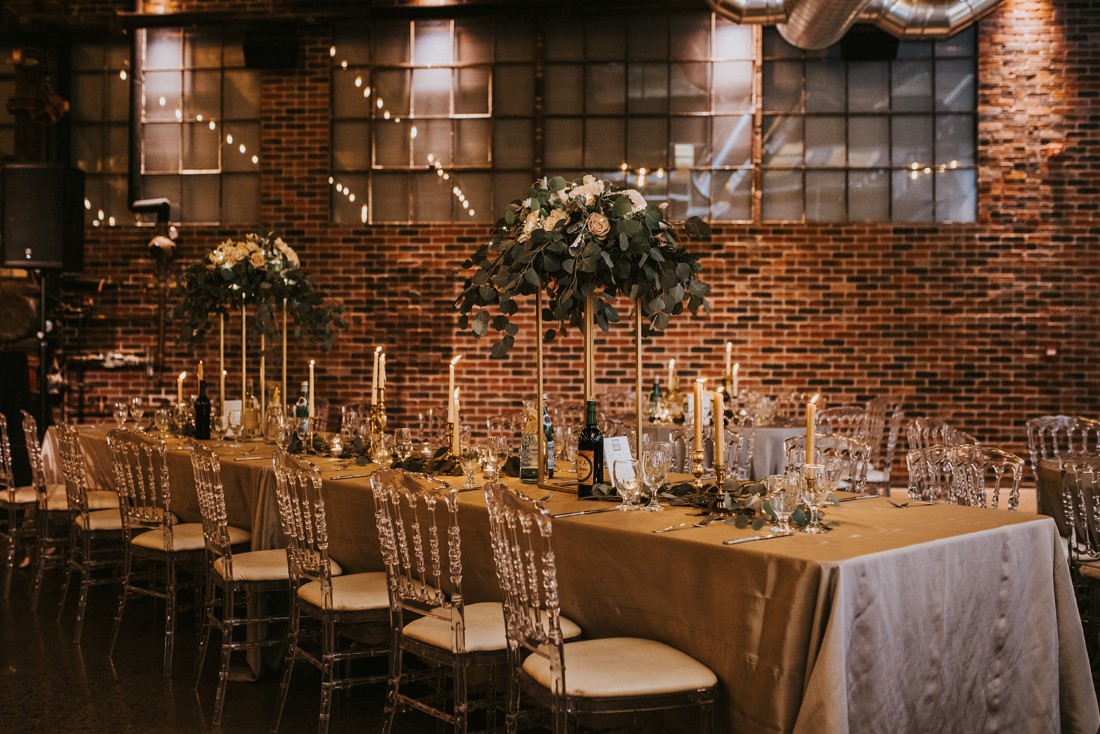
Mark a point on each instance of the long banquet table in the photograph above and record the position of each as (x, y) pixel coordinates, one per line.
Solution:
(929, 618)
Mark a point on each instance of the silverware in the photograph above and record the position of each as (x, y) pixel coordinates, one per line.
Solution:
(350, 476)
(585, 512)
(858, 497)
(701, 524)
(751, 538)
(908, 503)
(249, 458)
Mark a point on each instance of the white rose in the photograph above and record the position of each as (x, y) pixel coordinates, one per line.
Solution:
(637, 201)
(292, 258)
(552, 219)
(588, 191)
(530, 224)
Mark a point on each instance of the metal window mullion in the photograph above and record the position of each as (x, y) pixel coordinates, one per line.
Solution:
(756, 203)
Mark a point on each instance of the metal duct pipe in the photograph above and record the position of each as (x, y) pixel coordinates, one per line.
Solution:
(817, 24)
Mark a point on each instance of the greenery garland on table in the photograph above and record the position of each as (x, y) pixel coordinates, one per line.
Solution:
(574, 240)
(261, 271)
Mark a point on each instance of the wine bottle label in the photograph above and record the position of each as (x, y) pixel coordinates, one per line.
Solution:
(584, 467)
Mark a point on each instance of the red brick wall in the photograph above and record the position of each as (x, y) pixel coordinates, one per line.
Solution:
(957, 319)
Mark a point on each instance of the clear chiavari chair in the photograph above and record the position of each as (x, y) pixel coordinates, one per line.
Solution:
(51, 513)
(850, 421)
(236, 582)
(18, 505)
(1059, 436)
(1081, 503)
(981, 473)
(791, 407)
(430, 619)
(845, 459)
(95, 528)
(339, 604)
(930, 475)
(880, 471)
(151, 536)
(739, 447)
(610, 675)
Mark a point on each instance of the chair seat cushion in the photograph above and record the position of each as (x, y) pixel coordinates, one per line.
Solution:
(100, 520)
(20, 495)
(1090, 570)
(623, 666)
(265, 565)
(99, 499)
(185, 537)
(484, 629)
(354, 592)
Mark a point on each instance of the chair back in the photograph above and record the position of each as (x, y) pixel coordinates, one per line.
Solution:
(73, 468)
(845, 459)
(304, 522)
(930, 475)
(520, 530)
(1058, 436)
(34, 456)
(7, 476)
(1081, 501)
(981, 473)
(792, 406)
(1087, 435)
(851, 421)
(896, 415)
(738, 452)
(924, 431)
(417, 518)
(140, 463)
(211, 497)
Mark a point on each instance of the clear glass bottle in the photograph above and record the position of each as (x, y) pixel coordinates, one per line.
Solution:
(548, 431)
(250, 414)
(655, 400)
(529, 445)
(301, 408)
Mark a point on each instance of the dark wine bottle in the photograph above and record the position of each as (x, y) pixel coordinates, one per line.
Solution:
(655, 400)
(202, 413)
(589, 453)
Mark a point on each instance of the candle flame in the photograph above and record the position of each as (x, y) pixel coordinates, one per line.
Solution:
(672, 363)
(455, 360)
(456, 392)
(311, 363)
(183, 376)
(701, 380)
(720, 389)
(378, 350)
(813, 400)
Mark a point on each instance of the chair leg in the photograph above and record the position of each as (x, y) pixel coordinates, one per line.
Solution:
(82, 603)
(461, 696)
(227, 650)
(123, 593)
(205, 627)
(70, 564)
(328, 675)
(393, 685)
(706, 718)
(170, 616)
(42, 544)
(288, 666)
(511, 717)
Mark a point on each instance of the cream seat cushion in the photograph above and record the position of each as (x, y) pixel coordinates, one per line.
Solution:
(185, 537)
(484, 629)
(623, 666)
(354, 592)
(265, 565)
(25, 495)
(99, 499)
(100, 520)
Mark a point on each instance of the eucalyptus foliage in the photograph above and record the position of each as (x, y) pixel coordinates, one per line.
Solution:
(258, 271)
(573, 240)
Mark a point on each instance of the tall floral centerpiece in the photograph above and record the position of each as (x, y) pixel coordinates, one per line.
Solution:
(261, 273)
(583, 245)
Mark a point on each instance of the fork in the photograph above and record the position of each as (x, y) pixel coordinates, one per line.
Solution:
(701, 524)
(907, 503)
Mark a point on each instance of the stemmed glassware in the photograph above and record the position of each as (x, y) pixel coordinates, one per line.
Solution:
(235, 427)
(655, 464)
(814, 486)
(470, 458)
(628, 482)
(402, 443)
(282, 433)
(783, 495)
(381, 450)
(122, 410)
(162, 419)
(136, 409)
(496, 452)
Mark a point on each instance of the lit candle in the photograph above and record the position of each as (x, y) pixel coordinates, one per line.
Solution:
(263, 391)
(453, 417)
(284, 351)
(733, 388)
(698, 410)
(200, 371)
(811, 415)
(179, 388)
(671, 371)
(456, 424)
(729, 356)
(719, 428)
(311, 363)
(382, 377)
(221, 363)
(374, 378)
(244, 359)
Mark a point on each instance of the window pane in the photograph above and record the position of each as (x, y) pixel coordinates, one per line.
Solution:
(647, 89)
(825, 196)
(391, 92)
(732, 41)
(647, 142)
(825, 88)
(391, 144)
(826, 141)
(912, 84)
(563, 143)
(478, 190)
(116, 156)
(731, 142)
(603, 143)
(912, 141)
(241, 198)
(162, 96)
(605, 39)
(783, 86)
(237, 156)
(354, 49)
(432, 42)
(351, 145)
(166, 186)
(390, 197)
(432, 198)
(868, 87)
(606, 89)
(87, 97)
(912, 196)
(514, 42)
(163, 49)
(348, 211)
(868, 141)
(731, 195)
(955, 140)
(202, 198)
(869, 196)
(513, 90)
(514, 144)
(472, 142)
(431, 92)
(202, 51)
(472, 95)
(200, 148)
(690, 88)
(473, 40)
(87, 148)
(962, 43)
(506, 188)
(433, 138)
(688, 137)
(162, 148)
(782, 199)
(118, 101)
(955, 86)
(391, 43)
(688, 193)
(564, 42)
(956, 196)
(350, 95)
(733, 86)
(647, 37)
(202, 94)
(242, 95)
(692, 34)
(564, 89)
(783, 141)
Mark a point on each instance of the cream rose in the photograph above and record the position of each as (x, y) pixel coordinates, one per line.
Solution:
(552, 219)
(530, 224)
(598, 225)
(257, 259)
(637, 201)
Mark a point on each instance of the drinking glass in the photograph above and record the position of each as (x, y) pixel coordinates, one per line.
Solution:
(162, 419)
(628, 482)
(121, 411)
(336, 446)
(655, 471)
(302, 426)
(234, 427)
(137, 409)
(403, 443)
(814, 486)
(470, 458)
(282, 433)
(783, 494)
(381, 451)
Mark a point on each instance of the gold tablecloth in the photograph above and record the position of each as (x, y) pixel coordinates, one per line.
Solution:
(924, 619)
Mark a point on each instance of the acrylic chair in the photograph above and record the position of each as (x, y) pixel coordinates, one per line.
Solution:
(885, 418)
(930, 477)
(851, 421)
(924, 431)
(418, 529)
(1081, 502)
(981, 473)
(845, 459)
(95, 528)
(610, 675)
(738, 452)
(340, 604)
(236, 583)
(18, 505)
(1057, 436)
(790, 407)
(51, 513)
(152, 538)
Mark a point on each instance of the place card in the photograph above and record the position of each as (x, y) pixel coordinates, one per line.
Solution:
(615, 448)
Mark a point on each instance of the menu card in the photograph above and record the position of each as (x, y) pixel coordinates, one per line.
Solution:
(615, 448)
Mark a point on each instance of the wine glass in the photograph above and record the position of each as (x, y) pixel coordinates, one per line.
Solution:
(137, 409)
(470, 459)
(121, 411)
(302, 426)
(627, 481)
(234, 427)
(814, 486)
(381, 450)
(403, 443)
(783, 494)
(162, 419)
(655, 471)
(282, 434)
(336, 446)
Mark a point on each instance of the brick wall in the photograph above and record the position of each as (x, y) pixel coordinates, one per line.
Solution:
(957, 319)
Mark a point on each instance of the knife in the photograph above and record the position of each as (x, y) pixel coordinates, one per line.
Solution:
(350, 476)
(585, 512)
(751, 538)
(249, 458)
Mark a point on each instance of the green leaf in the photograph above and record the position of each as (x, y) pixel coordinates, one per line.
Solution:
(740, 521)
(510, 217)
(657, 304)
(555, 184)
(549, 335)
(481, 323)
(531, 276)
(621, 207)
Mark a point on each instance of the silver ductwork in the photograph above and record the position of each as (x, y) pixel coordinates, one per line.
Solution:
(817, 24)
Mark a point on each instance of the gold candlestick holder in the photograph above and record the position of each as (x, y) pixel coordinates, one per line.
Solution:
(450, 455)
(697, 456)
(378, 419)
(720, 477)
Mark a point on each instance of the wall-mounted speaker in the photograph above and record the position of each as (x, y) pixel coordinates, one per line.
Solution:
(42, 216)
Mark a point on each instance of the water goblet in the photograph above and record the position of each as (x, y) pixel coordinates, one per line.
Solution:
(403, 443)
(122, 410)
(137, 409)
(655, 471)
(814, 487)
(234, 427)
(282, 433)
(627, 481)
(783, 495)
(470, 459)
(162, 419)
(336, 446)
(381, 451)
(303, 427)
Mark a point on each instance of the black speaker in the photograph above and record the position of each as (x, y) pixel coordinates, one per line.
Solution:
(42, 216)
(864, 42)
(271, 49)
